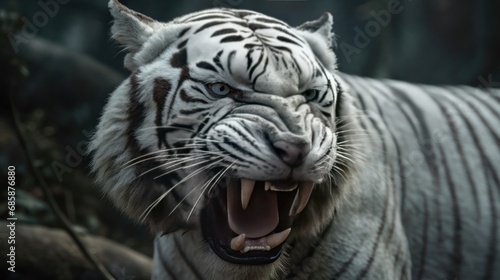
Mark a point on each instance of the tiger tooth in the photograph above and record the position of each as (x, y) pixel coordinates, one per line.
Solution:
(268, 186)
(295, 204)
(301, 198)
(305, 191)
(276, 239)
(238, 242)
(246, 191)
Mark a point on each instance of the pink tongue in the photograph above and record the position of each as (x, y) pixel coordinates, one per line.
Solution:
(261, 216)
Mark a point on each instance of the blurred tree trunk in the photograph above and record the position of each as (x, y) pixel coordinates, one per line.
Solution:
(44, 253)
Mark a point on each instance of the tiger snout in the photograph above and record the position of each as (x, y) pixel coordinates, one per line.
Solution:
(291, 153)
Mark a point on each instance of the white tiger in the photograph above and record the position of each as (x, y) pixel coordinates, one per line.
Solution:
(238, 142)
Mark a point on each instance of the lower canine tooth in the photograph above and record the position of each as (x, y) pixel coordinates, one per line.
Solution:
(238, 242)
(267, 186)
(276, 239)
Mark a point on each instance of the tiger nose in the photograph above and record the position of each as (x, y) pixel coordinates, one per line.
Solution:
(291, 153)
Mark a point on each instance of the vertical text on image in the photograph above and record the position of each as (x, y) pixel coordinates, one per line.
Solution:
(11, 220)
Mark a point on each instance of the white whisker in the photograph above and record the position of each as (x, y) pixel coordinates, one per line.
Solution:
(215, 183)
(159, 199)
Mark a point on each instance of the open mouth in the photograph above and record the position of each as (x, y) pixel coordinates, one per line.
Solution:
(248, 222)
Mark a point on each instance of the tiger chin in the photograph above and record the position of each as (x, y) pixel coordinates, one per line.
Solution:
(237, 141)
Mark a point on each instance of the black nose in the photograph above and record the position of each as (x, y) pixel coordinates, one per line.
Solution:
(291, 153)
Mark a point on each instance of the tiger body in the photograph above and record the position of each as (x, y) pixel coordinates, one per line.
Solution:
(403, 178)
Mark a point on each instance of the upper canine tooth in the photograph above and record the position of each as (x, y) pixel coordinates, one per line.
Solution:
(305, 191)
(246, 191)
(301, 198)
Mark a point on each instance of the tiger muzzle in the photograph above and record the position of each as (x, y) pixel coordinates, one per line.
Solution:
(251, 220)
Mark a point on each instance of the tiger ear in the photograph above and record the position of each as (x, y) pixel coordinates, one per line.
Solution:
(323, 26)
(320, 37)
(142, 37)
(131, 29)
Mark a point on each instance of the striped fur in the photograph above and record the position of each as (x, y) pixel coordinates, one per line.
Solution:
(406, 176)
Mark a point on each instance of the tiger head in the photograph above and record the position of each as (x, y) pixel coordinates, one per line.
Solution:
(227, 127)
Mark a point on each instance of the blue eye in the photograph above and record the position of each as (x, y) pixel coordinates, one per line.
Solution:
(219, 89)
(310, 94)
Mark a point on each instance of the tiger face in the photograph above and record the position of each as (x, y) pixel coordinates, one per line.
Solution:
(226, 127)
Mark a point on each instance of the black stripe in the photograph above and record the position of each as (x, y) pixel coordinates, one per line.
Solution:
(182, 44)
(403, 185)
(296, 64)
(257, 26)
(484, 120)
(345, 266)
(179, 59)
(199, 90)
(182, 78)
(135, 116)
(217, 16)
(220, 148)
(161, 89)
(461, 153)
(193, 111)
(489, 169)
(207, 66)
(252, 45)
(184, 31)
(232, 38)
(323, 97)
(400, 168)
(224, 31)
(270, 20)
(230, 59)
(186, 98)
(255, 65)
(203, 126)
(217, 60)
(284, 62)
(457, 256)
(242, 14)
(260, 74)
(385, 210)
(215, 23)
(289, 33)
(286, 40)
(241, 134)
(430, 156)
(392, 226)
(492, 254)
(242, 150)
(249, 59)
(189, 17)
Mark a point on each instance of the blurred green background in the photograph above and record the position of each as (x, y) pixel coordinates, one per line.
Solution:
(61, 67)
